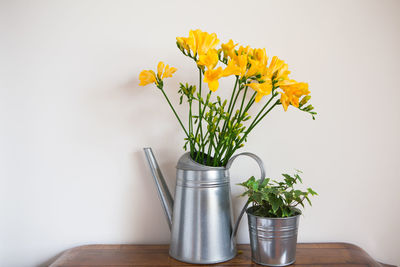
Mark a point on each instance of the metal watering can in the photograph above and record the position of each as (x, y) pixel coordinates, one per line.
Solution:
(200, 217)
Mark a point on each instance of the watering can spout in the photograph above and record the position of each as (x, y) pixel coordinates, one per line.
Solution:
(162, 188)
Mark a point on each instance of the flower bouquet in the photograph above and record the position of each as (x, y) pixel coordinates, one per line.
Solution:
(217, 127)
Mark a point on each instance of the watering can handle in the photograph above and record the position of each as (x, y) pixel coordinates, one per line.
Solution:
(262, 169)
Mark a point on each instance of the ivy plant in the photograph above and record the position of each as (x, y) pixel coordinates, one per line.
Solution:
(271, 198)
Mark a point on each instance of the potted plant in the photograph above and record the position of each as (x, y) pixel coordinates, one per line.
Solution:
(274, 218)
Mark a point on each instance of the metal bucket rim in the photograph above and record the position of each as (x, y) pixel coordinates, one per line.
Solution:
(271, 218)
(195, 165)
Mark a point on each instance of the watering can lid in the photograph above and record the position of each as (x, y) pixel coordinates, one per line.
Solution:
(185, 162)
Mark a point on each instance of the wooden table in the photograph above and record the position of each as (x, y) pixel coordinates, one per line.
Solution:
(308, 254)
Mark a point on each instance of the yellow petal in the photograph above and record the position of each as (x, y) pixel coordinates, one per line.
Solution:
(206, 42)
(192, 41)
(146, 77)
(213, 85)
(260, 55)
(241, 62)
(284, 101)
(160, 69)
(209, 60)
(258, 97)
(228, 49)
(182, 41)
(257, 67)
(254, 86)
(262, 89)
(231, 69)
(278, 69)
(245, 50)
(211, 77)
(198, 42)
(292, 91)
(168, 72)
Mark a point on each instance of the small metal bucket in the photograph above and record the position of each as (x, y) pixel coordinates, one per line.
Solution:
(273, 240)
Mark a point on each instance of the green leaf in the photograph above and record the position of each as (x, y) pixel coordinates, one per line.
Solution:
(275, 203)
(312, 192)
(265, 182)
(298, 193)
(254, 186)
(289, 180)
(298, 178)
(258, 197)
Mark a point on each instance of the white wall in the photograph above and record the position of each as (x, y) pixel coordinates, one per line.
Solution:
(74, 120)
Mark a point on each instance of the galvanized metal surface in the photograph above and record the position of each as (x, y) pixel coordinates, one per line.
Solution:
(273, 240)
(202, 221)
(162, 188)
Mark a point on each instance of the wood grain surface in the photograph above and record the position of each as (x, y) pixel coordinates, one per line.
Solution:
(308, 254)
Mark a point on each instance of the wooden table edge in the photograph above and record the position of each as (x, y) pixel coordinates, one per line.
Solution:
(325, 245)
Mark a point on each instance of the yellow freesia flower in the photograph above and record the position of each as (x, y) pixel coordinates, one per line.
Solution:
(257, 67)
(260, 55)
(198, 42)
(231, 69)
(292, 91)
(278, 70)
(183, 42)
(168, 72)
(236, 66)
(146, 77)
(209, 60)
(262, 89)
(245, 50)
(207, 42)
(211, 77)
(228, 49)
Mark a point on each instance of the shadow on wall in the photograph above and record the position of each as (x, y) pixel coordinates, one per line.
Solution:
(50, 261)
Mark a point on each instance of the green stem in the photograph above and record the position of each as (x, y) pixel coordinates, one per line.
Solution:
(228, 144)
(199, 125)
(251, 127)
(210, 145)
(250, 103)
(192, 145)
(230, 104)
(244, 96)
(264, 107)
(201, 118)
(217, 140)
(260, 119)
